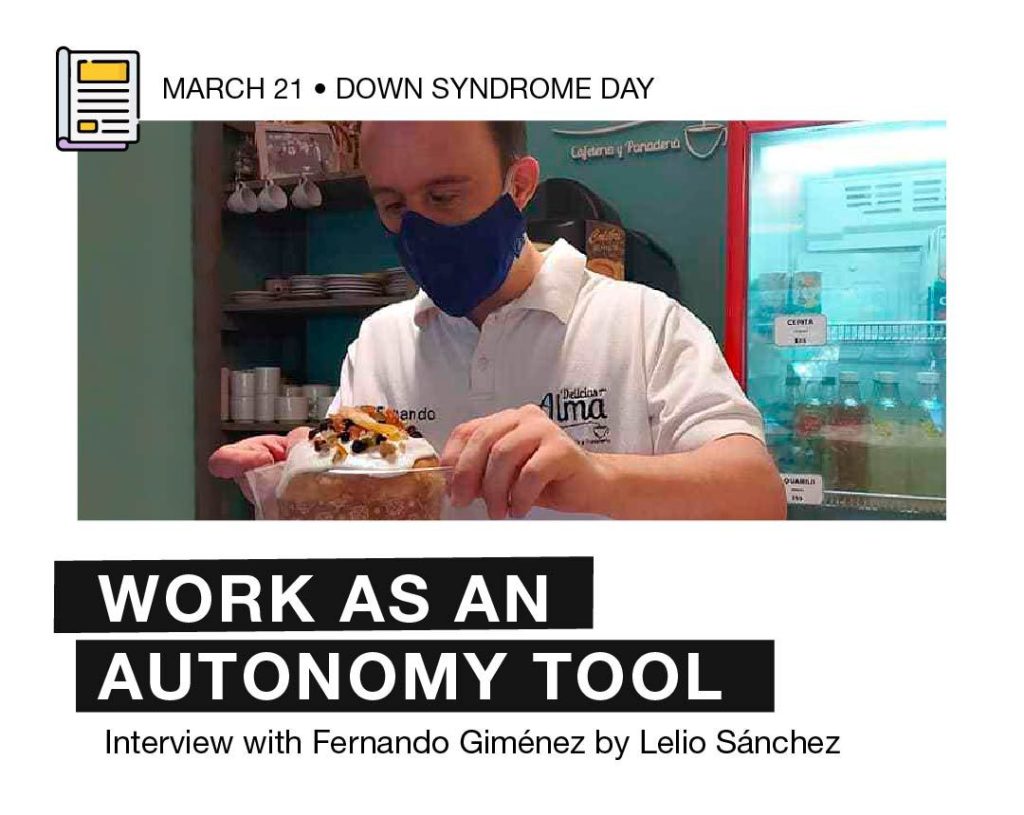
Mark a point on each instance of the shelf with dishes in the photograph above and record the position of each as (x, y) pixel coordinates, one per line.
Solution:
(324, 294)
(257, 400)
(327, 305)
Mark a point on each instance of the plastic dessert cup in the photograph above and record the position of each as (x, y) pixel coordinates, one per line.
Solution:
(414, 493)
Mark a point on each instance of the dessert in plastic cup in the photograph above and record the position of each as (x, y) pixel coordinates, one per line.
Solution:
(362, 463)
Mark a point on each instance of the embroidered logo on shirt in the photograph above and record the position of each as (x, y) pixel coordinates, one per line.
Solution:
(580, 412)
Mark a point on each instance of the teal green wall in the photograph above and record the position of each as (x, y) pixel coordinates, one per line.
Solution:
(135, 425)
(340, 243)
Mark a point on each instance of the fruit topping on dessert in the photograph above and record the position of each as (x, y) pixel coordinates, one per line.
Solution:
(360, 431)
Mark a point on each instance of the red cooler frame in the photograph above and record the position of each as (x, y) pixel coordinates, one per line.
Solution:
(737, 242)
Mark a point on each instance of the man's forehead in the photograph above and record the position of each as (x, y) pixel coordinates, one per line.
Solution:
(404, 155)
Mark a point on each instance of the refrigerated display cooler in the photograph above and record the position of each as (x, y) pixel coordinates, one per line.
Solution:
(836, 308)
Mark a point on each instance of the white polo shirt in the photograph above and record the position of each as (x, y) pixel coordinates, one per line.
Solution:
(621, 367)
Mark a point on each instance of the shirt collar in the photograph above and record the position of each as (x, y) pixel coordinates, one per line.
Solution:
(553, 290)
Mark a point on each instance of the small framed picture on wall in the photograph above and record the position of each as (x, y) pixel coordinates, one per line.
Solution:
(298, 148)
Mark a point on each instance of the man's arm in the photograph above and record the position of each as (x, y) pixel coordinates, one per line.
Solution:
(517, 459)
(731, 478)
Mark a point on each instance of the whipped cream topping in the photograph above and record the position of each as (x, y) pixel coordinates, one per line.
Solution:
(364, 440)
(304, 458)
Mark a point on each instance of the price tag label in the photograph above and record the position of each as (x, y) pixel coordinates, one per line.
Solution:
(804, 488)
(800, 329)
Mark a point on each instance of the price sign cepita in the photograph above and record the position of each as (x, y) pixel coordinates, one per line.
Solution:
(800, 329)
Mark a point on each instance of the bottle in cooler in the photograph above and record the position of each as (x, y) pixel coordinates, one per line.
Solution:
(887, 454)
(828, 393)
(846, 449)
(770, 292)
(937, 300)
(809, 423)
(780, 432)
(926, 439)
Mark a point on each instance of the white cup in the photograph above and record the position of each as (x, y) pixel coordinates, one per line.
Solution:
(272, 197)
(306, 195)
(243, 383)
(314, 393)
(292, 408)
(266, 407)
(243, 200)
(225, 394)
(268, 380)
(323, 405)
(243, 408)
(275, 285)
(292, 390)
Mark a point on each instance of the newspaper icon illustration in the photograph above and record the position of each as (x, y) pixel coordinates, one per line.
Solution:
(97, 99)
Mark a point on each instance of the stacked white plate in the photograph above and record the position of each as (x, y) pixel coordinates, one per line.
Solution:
(306, 287)
(397, 283)
(254, 296)
(353, 285)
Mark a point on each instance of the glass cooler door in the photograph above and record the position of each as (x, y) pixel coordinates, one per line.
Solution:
(846, 311)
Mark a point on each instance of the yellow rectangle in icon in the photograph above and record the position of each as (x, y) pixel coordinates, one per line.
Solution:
(87, 126)
(105, 71)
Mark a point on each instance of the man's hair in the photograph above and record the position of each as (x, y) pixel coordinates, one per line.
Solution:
(510, 137)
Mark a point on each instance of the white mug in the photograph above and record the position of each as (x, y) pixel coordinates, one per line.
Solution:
(243, 383)
(314, 393)
(275, 285)
(323, 405)
(225, 394)
(306, 194)
(242, 200)
(268, 380)
(292, 408)
(272, 197)
(243, 408)
(266, 407)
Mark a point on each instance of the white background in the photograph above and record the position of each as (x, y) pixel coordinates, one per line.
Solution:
(902, 638)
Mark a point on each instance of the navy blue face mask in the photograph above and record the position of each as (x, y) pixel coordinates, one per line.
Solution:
(461, 266)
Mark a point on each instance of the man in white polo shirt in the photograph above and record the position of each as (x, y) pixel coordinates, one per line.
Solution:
(551, 389)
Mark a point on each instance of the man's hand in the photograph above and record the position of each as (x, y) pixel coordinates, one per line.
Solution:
(517, 459)
(234, 460)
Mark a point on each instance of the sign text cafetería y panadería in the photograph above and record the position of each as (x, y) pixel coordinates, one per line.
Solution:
(619, 150)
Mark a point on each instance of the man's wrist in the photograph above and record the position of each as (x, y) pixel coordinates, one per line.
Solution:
(602, 495)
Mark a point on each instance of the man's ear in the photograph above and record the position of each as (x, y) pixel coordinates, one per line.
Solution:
(525, 178)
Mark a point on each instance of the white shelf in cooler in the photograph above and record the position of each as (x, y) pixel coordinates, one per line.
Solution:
(916, 332)
(879, 502)
(872, 332)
